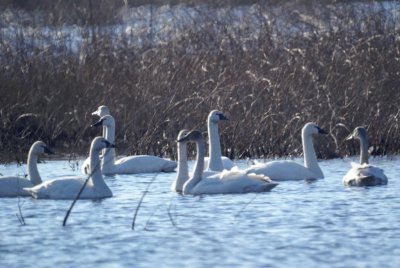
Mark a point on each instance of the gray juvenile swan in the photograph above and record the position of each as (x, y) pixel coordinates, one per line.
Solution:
(11, 186)
(363, 174)
(226, 182)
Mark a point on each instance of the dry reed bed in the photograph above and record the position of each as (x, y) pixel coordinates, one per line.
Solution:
(342, 75)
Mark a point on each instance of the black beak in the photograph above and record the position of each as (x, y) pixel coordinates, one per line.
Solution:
(321, 131)
(47, 150)
(222, 117)
(98, 123)
(109, 144)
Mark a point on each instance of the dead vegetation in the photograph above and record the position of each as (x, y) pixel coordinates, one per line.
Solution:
(271, 70)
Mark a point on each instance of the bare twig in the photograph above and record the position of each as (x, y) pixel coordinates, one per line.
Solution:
(140, 201)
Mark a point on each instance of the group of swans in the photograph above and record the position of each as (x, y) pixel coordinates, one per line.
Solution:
(215, 175)
(232, 181)
(63, 188)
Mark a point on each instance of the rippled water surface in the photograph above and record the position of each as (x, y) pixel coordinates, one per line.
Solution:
(297, 224)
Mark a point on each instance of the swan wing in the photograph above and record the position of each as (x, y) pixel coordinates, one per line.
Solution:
(365, 175)
(282, 170)
(66, 188)
(143, 164)
(233, 182)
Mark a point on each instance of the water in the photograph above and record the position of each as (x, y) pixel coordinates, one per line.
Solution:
(297, 224)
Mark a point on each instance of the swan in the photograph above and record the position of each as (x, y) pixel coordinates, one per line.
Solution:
(102, 110)
(68, 188)
(363, 174)
(131, 164)
(216, 162)
(183, 169)
(282, 170)
(11, 186)
(226, 182)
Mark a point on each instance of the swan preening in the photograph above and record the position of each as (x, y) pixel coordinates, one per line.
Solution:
(363, 174)
(12, 186)
(131, 164)
(68, 188)
(289, 170)
(216, 162)
(225, 182)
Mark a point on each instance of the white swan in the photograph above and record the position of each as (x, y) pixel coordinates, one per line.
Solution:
(216, 162)
(101, 111)
(11, 186)
(363, 174)
(131, 164)
(225, 182)
(289, 170)
(68, 188)
(183, 169)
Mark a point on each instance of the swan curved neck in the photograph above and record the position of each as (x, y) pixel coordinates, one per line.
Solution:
(363, 150)
(214, 148)
(109, 155)
(183, 169)
(198, 168)
(33, 172)
(310, 158)
(96, 175)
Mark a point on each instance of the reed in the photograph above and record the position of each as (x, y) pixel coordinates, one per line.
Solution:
(283, 65)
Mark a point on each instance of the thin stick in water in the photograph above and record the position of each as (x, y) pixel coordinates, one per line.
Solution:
(140, 202)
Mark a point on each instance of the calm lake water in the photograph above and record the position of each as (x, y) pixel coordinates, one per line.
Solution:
(297, 224)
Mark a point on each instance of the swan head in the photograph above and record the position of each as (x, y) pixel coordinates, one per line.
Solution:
(358, 133)
(106, 120)
(193, 135)
(40, 147)
(100, 143)
(102, 111)
(182, 134)
(312, 129)
(215, 116)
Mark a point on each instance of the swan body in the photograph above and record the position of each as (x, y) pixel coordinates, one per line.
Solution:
(226, 182)
(363, 174)
(283, 170)
(101, 111)
(68, 188)
(12, 186)
(131, 164)
(216, 162)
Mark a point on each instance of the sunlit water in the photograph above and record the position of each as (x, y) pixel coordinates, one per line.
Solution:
(297, 224)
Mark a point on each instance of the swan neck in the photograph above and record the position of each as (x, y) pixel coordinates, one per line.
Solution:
(198, 168)
(96, 175)
(310, 158)
(363, 150)
(33, 172)
(183, 169)
(109, 155)
(214, 148)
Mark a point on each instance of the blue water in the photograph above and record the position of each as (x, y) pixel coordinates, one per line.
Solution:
(297, 224)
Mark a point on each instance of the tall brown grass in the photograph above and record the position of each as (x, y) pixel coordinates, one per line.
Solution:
(335, 64)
